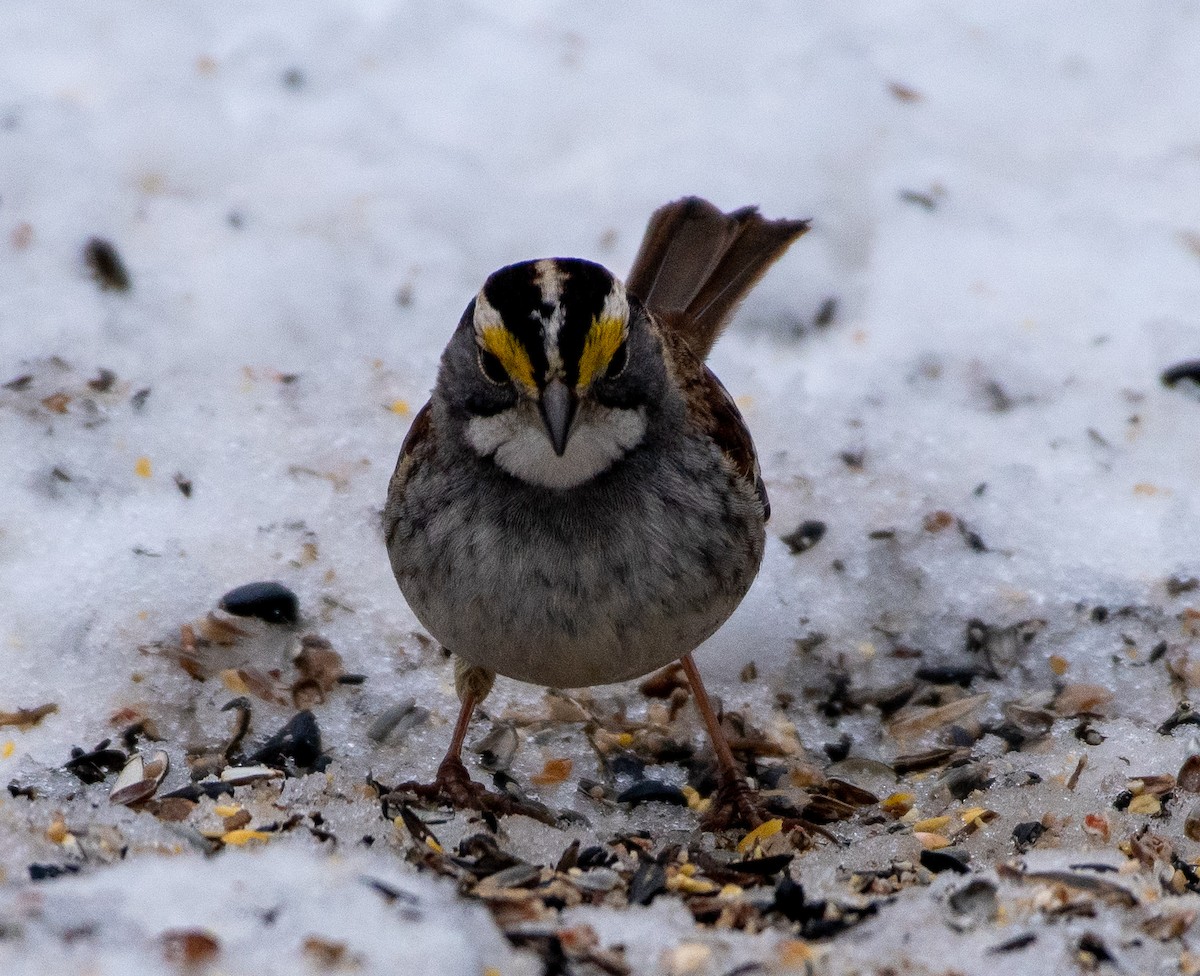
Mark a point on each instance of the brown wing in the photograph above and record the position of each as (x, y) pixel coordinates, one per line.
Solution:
(410, 449)
(712, 409)
(695, 264)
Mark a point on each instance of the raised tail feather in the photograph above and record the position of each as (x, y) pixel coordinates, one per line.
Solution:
(696, 264)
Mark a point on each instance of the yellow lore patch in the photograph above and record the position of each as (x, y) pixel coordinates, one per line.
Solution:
(505, 346)
(604, 338)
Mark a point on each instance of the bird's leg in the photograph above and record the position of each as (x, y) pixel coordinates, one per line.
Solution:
(734, 804)
(453, 784)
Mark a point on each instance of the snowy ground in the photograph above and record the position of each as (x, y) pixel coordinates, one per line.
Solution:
(1006, 227)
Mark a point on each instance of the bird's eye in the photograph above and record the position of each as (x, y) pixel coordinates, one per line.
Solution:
(616, 365)
(492, 368)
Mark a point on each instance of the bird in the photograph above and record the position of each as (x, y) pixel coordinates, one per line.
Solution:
(580, 501)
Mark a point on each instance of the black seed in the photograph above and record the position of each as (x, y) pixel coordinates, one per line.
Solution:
(194, 791)
(649, 880)
(926, 201)
(1122, 800)
(1187, 370)
(948, 675)
(627, 765)
(184, 485)
(138, 400)
(1182, 584)
(20, 383)
(826, 313)
(294, 79)
(44, 872)
(939, 861)
(106, 265)
(805, 537)
(765, 866)
(1022, 941)
(1026, 834)
(789, 900)
(1099, 614)
(837, 751)
(595, 857)
(94, 766)
(269, 601)
(652, 791)
(103, 381)
(299, 741)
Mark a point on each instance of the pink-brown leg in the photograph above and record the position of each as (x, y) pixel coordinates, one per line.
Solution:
(734, 803)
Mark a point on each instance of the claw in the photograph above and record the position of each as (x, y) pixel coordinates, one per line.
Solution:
(453, 787)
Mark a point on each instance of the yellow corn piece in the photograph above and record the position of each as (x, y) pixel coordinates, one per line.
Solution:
(243, 836)
(759, 833)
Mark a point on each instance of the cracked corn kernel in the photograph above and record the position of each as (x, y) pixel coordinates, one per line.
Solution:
(931, 825)
(759, 833)
(1145, 804)
(142, 468)
(243, 836)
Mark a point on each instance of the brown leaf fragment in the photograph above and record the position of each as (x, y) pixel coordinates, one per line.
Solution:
(662, 683)
(324, 952)
(57, 402)
(1080, 699)
(1169, 925)
(172, 809)
(903, 93)
(937, 521)
(911, 723)
(320, 667)
(27, 718)
(222, 632)
(189, 947)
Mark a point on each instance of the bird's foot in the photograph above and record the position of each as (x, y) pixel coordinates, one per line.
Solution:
(453, 787)
(735, 806)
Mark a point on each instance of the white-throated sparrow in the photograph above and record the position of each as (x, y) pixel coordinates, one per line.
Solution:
(580, 503)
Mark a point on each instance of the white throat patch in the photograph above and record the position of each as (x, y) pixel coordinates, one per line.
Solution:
(517, 441)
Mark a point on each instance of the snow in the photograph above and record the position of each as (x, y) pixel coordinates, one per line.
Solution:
(319, 192)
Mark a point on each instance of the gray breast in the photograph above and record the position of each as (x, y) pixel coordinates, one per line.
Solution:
(594, 585)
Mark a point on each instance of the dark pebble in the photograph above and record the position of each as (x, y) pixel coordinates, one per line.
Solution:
(299, 741)
(269, 601)
(939, 861)
(1189, 369)
(652, 791)
(106, 265)
(807, 535)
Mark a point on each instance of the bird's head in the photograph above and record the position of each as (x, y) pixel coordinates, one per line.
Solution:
(553, 367)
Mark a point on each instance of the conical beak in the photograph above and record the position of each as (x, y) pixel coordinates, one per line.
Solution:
(558, 410)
